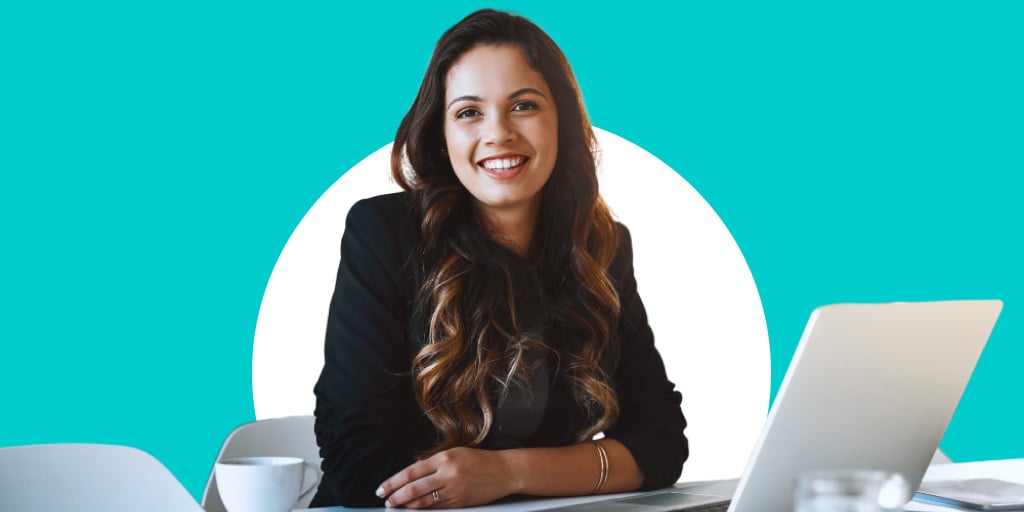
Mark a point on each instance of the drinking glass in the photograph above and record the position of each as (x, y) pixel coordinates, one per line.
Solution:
(851, 491)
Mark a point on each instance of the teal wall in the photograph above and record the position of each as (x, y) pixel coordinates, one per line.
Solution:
(154, 159)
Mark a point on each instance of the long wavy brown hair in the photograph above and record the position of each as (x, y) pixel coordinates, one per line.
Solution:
(474, 341)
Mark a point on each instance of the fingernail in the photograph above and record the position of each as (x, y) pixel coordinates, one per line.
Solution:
(380, 492)
(387, 503)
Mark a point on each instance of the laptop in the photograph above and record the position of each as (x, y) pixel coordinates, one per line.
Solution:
(871, 386)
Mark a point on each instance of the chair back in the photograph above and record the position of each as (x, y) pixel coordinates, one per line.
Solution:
(291, 436)
(88, 478)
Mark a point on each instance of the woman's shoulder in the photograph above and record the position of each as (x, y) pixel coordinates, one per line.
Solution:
(384, 225)
(625, 238)
(395, 208)
(624, 250)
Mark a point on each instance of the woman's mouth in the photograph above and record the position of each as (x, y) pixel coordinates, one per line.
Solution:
(504, 167)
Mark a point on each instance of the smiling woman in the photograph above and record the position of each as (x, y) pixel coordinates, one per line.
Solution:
(485, 325)
(501, 130)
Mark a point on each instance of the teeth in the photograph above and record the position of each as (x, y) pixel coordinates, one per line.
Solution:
(502, 163)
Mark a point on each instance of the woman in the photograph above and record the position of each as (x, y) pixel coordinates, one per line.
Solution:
(485, 323)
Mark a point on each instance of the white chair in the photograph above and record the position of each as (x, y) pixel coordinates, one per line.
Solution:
(88, 478)
(277, 437)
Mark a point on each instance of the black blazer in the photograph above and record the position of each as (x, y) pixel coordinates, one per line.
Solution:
(368, 424)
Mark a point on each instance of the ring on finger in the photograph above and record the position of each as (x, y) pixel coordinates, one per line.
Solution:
(436, 497)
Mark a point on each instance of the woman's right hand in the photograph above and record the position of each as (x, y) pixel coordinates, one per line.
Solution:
(461, 477)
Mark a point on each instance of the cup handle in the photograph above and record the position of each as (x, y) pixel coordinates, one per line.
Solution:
(312, 482)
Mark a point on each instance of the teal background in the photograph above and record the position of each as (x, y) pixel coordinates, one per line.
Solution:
(154, 159)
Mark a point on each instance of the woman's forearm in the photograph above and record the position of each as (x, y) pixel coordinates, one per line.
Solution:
(571, 470)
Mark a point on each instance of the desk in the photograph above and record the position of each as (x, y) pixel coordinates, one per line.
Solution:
(1011, 470)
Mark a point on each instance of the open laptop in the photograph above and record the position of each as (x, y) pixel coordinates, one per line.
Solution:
(871, 386)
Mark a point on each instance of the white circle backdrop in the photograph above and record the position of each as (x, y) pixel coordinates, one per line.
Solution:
(701, 301)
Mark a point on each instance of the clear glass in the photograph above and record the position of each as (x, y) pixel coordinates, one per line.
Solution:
(850, 491)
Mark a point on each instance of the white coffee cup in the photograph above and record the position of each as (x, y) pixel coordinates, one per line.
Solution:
(264, 484)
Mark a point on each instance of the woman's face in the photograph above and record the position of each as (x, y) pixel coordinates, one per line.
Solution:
(500, 128)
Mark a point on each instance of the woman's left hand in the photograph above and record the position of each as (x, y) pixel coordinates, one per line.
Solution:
(457, 477)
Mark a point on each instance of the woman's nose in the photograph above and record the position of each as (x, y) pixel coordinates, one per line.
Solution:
(498, 130)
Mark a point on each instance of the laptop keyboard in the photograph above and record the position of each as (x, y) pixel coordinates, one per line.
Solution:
(662, 501)
(721, 507)
(674, 501)
(683, 501)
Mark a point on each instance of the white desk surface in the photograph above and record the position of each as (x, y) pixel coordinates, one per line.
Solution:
(1011, 470)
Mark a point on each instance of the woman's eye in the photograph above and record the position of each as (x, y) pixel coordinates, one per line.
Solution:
(467, 113)
(524, 105)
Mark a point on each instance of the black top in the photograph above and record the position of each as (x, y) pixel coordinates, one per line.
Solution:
(368, 424)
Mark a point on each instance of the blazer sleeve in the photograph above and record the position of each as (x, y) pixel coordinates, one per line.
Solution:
(651, 422)
(363, 396)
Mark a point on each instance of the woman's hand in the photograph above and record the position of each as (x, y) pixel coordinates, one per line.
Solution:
(461, 477)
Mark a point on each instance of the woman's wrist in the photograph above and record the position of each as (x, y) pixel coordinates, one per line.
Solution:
(576, 470)
(511, 462)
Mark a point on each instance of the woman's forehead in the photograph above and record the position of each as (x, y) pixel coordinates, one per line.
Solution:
(486, 71)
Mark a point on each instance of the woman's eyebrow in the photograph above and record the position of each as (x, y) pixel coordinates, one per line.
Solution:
(518, 93)
(526, 90)
(464, 98)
